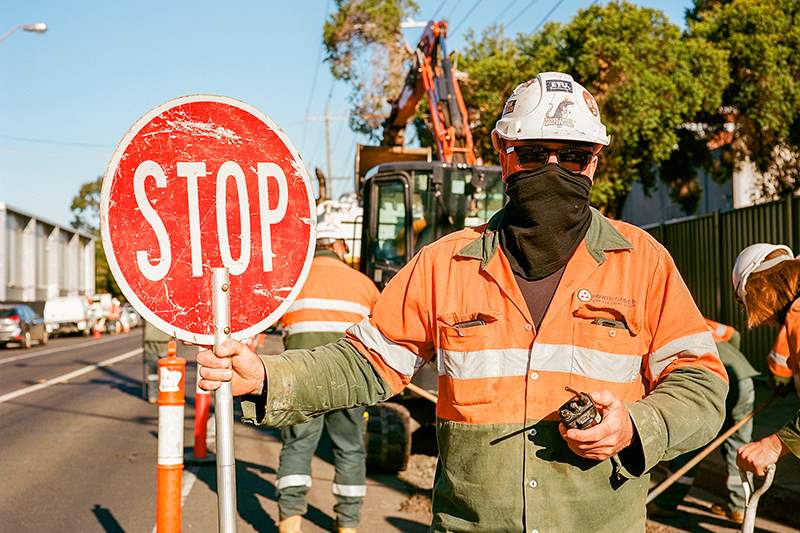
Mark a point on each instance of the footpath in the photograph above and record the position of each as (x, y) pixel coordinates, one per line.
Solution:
(782, 501)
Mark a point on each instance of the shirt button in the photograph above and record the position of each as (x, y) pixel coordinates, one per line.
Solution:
(532, 483)
(534, 375)
(532, 432)
(612, 333)
(528, 327)
(534, 531)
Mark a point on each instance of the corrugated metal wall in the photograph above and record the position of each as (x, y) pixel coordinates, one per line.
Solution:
(705, 248)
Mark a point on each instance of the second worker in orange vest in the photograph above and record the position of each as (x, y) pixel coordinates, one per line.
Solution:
(333, 298)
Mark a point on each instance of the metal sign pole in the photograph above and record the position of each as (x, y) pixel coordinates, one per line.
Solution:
(223, 412)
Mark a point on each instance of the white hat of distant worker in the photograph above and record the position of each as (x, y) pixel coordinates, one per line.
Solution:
(552, 106)
(330, 231)
(751, 259)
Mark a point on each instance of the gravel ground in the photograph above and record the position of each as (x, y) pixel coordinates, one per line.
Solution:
(419, 478)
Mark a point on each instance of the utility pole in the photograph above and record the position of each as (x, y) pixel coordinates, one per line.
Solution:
(328, 167)
(327, 118)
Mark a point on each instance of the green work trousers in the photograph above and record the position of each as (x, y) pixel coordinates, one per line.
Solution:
(152, 351)
(346, 430)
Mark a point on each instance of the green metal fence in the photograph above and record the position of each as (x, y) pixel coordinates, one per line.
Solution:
(705, 247)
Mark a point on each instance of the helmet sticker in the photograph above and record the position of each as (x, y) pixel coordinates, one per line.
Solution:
(591, 103)
(560, 115)
(509, 107)
(558, 85)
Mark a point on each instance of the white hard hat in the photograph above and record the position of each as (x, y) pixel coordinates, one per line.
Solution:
(751, 259)
(551, 106)
(330, 231)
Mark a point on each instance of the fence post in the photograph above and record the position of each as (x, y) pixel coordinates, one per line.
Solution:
(718, 277)
(790, 224)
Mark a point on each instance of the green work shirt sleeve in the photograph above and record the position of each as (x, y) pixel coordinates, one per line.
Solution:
(682, 413)
(790, 435)
(302, 384)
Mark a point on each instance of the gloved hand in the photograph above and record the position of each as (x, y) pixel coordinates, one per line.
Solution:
(780, 385)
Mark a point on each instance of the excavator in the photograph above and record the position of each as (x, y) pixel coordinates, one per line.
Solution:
(410, 200)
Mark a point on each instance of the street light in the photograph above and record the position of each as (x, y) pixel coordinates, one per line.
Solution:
(36, 27)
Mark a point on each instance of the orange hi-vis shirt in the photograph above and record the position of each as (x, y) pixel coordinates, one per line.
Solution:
(334, 297)
(780, 361)
(621, 320)
(719, 331)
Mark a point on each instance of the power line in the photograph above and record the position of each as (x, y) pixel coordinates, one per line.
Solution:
(460, 22)
(54, 142)
(541, 23)
(522, 12)
(441, 5)
(503, 12)
(452, 11)
(314, 81)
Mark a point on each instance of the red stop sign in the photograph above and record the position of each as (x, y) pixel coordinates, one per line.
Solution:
(202, 182)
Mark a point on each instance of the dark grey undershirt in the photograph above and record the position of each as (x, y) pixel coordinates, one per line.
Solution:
(539, 293)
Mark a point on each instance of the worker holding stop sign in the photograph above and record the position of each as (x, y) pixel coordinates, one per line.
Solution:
(207, 219)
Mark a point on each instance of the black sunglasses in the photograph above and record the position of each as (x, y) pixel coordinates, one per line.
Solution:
(567, 157)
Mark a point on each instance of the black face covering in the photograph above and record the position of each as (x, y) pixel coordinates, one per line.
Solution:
(545, 219)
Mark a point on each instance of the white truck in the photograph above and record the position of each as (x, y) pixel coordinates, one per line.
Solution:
(68, 314)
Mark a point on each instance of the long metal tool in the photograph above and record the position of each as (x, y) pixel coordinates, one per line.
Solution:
(707, 450)
(223, 411)
(752, 495)
(419, 391)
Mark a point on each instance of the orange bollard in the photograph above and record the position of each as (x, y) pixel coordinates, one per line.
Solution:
(171, 391)
(202, 406)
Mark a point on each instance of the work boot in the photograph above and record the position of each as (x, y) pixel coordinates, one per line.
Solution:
(735, 515)
(656, 511)
(291, 524)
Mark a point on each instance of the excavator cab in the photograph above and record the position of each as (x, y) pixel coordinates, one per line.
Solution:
(410, 204)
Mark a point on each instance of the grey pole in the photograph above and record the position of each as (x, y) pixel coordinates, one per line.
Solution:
(223, 410)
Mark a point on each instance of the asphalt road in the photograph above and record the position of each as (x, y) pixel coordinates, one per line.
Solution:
(78, 451)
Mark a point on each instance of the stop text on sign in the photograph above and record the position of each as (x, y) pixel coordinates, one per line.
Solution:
(156, 269)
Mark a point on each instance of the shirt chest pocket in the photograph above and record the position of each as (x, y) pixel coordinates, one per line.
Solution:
(467, 358)
(608, 343)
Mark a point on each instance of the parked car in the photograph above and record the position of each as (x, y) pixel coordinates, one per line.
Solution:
(21, 324)
(67, 314)
(129, 313)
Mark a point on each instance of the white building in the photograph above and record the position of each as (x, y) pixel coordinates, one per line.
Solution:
(40, 259)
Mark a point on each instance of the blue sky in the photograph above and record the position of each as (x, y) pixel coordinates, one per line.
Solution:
(68, 96)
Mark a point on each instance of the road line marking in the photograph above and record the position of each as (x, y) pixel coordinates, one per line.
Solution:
(189, 477)
(54, 350)
(70, 375)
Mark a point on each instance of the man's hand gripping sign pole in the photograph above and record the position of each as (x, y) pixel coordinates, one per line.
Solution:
(207, 218)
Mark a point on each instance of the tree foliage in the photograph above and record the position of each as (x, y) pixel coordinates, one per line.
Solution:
(85, 209)
(675, 103)
(761, 93)
(647, 78)
(365, 47)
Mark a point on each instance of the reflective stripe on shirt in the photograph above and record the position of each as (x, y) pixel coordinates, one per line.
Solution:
(778, 359)
(399, 358)
(329, 304)
(318, 326)
(594, 364)
(697, 344)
